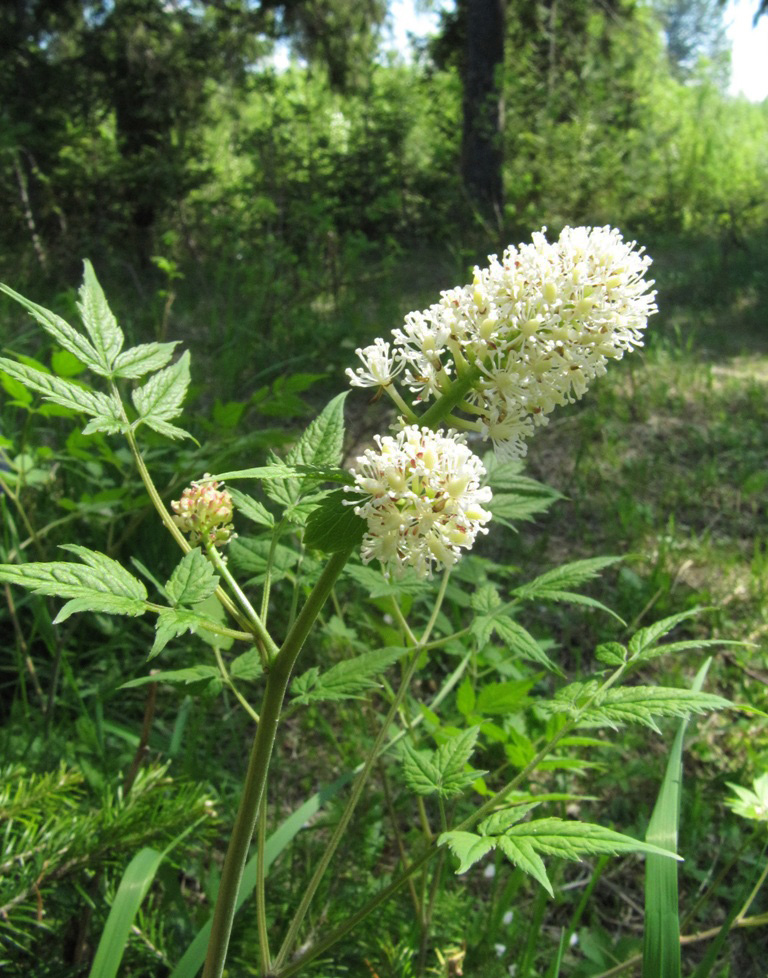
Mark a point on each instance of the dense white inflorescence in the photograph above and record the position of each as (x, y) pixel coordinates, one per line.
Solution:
(536, 327)
(422, 500)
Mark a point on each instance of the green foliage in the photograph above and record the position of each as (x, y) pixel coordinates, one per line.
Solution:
(98, 584)
(505, 681)
(523, 842)
(55, 831)
(345, 680)
(751, 803)
(444, 771)
(661, 933)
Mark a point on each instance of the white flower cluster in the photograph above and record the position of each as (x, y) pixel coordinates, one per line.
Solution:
(536, 326)
(423, 499)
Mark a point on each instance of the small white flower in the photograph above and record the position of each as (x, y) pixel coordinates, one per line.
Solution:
(380, 367)
(423, 501)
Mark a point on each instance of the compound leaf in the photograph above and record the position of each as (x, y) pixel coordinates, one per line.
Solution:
(345, 680)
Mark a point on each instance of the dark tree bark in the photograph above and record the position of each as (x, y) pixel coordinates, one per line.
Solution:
(482, 152)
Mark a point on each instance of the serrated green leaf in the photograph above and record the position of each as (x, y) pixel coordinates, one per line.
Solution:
(521, 643)
(611, 653)
(671, 648)
(467, 847)
(192, 580)
(60, 391)
(251, 508)
(334, 526)
(510, 508)
(499, 822)
(500, 699)
(647, 637)
(97, 584)
(451, 759)
(246, 666)
(277, 469)
(193, 674)
(553, 584)
(485, 599)
(522, 853)
(322, 442)
(509, 475)
(108, 604)
(568, 839)
(111, 422)
(143, 359)
(442, 771)
(161, 398)
(172, 622)
(345, 680)
(64, 334)
(420, 771)
(166, 428)
(643, 704)
(99, 320)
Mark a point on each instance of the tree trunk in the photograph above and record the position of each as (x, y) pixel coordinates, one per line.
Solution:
(482, 151)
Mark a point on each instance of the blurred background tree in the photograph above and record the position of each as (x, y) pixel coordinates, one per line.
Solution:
(290, 131)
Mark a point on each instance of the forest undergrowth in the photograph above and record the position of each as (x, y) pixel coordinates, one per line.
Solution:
(663, 465)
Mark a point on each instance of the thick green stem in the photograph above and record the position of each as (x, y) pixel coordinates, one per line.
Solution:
(261, 905)
(256, 777)
(439, 411)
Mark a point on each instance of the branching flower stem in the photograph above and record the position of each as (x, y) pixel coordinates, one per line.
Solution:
(279, 676)
(267, 646)
(439, 411)
(397, 398)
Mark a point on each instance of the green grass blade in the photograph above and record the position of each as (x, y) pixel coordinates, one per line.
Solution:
(134, 886)
(194, 957)
(661, 938)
